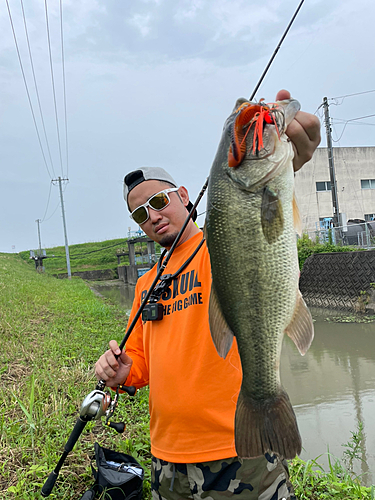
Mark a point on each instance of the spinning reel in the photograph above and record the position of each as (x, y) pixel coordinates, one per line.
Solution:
(99, 403)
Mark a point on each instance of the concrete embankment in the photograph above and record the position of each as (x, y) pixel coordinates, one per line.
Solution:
(97, 275)
(340, 280)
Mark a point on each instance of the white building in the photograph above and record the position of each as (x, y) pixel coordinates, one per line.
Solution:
(355, 177)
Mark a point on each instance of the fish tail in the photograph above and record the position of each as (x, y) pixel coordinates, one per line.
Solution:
(268, 425)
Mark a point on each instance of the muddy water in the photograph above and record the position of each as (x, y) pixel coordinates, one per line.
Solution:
(332, 387)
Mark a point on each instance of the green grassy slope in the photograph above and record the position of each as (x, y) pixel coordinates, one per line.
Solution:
(85, 256)
(51, 334)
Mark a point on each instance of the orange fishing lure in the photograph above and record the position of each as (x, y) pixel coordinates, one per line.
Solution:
(247, 116)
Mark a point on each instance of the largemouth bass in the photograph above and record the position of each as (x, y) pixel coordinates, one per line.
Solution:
(251, 238)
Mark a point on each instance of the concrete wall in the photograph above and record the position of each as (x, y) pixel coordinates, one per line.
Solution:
(351, 165)
(129, 274)
(99, 274)
(336, 280)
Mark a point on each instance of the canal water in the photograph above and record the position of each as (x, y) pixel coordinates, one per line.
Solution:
(332, 387)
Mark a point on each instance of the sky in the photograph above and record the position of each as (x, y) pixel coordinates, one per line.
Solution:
(151, 83)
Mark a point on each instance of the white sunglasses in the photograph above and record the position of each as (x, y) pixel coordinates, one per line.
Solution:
(157, 202)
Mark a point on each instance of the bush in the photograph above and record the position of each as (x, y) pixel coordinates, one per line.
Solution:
(307, 247)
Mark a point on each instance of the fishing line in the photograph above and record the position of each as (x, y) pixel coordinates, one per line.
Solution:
(276, 51)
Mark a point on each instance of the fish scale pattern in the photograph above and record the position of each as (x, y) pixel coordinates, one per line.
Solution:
(335, 280)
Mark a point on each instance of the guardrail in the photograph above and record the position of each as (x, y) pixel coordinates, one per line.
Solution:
(360, 235)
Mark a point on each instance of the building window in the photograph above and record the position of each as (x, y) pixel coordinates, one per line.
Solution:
(369, 217)
(324, 186)
(368, 183)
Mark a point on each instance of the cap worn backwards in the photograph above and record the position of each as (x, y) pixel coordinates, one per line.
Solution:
(132, 179)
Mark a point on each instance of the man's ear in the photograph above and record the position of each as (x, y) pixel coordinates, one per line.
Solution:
(184, 195)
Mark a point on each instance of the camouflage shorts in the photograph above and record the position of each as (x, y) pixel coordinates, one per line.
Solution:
(261, 478)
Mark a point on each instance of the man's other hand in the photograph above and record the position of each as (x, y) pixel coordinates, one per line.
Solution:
(304, 133)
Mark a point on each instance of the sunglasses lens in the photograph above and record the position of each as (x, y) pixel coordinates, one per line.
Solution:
(140, 215)
(159, 201)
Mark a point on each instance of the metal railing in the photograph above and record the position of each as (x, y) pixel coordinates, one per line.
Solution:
(147, 259)
(358, 235)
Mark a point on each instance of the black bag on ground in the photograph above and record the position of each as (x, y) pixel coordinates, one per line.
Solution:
(118, 476)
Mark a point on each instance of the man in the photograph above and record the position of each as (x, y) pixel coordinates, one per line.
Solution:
(193, 391)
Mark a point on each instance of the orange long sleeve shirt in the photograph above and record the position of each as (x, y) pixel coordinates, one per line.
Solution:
(193, 391)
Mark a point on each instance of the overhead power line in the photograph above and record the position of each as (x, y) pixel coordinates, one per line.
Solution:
(359, 118)
(36, 87)
(351, 120)
(27, 88)
(49, 196)
(64, 88)
(350, 95)
(53, 86)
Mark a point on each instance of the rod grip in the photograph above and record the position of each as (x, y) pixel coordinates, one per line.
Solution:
(49, 484)
(51, 479)
(76, 432)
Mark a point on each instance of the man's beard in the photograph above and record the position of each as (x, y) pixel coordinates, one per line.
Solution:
(168, 240)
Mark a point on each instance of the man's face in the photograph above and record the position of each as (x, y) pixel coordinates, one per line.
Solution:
(163, 226)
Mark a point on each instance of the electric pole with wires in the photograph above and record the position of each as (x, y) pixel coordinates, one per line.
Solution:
(59, 180)
(38, 221)
(335, 202)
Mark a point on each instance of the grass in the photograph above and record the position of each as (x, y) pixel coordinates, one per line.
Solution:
(51, 333)
(312, 482)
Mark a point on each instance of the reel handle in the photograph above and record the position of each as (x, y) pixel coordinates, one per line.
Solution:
(117, 426)
(129, 389)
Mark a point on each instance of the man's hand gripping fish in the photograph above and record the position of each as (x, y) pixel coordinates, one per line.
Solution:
(251, 237)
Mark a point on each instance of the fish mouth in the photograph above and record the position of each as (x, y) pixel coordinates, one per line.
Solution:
(247, 125)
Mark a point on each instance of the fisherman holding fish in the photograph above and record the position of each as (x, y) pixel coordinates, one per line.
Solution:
(185, 350)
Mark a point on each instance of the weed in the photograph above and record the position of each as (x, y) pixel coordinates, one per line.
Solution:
(312, 482)
(353, 448)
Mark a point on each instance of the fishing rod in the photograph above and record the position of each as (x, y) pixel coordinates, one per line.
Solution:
(276, 51)
(99, 403)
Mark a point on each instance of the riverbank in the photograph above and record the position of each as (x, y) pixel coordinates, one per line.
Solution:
(52, 332)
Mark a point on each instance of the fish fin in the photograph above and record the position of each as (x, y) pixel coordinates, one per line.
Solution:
(296, 216)
(266, 425)
(221, 334)
(301, 328)
(205, 230)
(271, 215)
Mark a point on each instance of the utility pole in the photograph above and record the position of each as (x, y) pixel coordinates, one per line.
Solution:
(38, 221)
(65, 234)
(335, 203)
